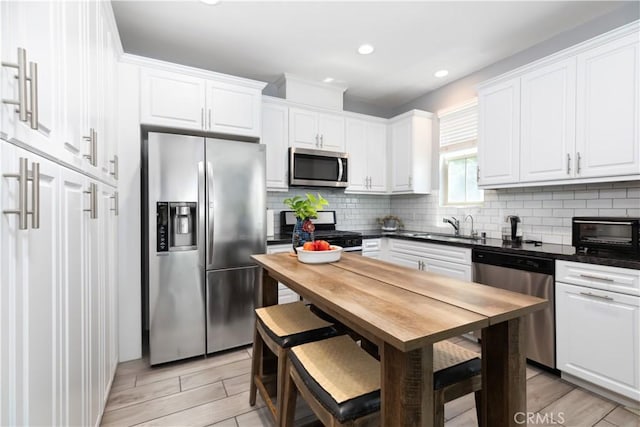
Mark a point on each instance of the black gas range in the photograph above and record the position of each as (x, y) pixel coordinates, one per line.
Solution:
(325, 225)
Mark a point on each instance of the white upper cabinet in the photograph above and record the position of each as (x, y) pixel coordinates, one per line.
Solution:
(547, 126)
(172, 99)
(410, 152)
(499, 133)
(315, 130)
(573, 117)
(366, 143)
(275, 128)
(233, 109)
(32, 28)
(608, 116)
(183, 101)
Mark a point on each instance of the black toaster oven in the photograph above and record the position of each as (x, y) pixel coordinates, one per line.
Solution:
(615, 234)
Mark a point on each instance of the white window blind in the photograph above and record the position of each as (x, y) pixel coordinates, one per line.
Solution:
(459, 126)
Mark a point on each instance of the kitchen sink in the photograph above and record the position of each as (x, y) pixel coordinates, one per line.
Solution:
(441, 236)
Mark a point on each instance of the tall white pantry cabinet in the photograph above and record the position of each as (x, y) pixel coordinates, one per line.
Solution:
(58, 211)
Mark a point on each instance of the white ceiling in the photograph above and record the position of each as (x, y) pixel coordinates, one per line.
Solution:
(312, 39)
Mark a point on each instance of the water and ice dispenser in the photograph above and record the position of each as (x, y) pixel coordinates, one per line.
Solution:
(176, 226)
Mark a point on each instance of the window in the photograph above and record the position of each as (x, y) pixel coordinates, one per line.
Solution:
(458, 155)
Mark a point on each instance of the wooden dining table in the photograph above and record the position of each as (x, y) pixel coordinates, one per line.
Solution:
(404, 312)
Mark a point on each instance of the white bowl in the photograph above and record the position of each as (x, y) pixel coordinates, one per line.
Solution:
(319, 257)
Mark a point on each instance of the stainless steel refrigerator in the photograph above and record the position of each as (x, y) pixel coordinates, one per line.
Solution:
(206, 208)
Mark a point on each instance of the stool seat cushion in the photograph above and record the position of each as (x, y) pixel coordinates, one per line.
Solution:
(344, 378)
(453, 363)
(293, 324)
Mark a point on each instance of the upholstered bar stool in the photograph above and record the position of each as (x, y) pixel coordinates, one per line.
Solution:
(279, 327)
(341, 382)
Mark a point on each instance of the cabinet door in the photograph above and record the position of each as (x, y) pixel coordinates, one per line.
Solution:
(107, 221)
(29, 295)
(233, 109)
(72, 75)
(34, 27)
(608, 115)
(171, 99)
(303, 129)
(73, 299)
(331, 130)
(376, 150)
(590, 320)
(401, 161)
(499, 133)
(548, 122)
(356, 144)
(275, 125)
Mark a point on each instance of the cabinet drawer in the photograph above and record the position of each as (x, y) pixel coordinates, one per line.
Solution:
(433, 251)
(604, 277)
(449, 269)
(371, 245)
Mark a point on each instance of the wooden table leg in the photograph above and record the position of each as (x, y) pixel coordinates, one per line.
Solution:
(268, 291)
(407, 386)
(269, 362)
(504, 390)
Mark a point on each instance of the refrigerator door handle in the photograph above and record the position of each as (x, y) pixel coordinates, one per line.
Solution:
(201, 214)
(210, 213)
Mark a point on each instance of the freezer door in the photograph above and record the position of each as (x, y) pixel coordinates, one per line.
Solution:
(236, 200)
(176, 307)
(231, 300)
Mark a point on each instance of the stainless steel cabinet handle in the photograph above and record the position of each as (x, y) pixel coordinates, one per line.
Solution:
(202, 117)
(587, 276)
(578, 159)
(317, 141)
(477, 174)
(93, 200)
(321, 141)
(410, 180)
(114, 173)
(209, 127)
(116, 203)
(33, 80)
(21, 176)
(589, 294)
(21, 102)
(568, 163)
(93, 147)
(35, 195)
(419, 265)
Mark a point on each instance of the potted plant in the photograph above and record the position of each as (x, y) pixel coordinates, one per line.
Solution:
(390, 223)
(304, 209)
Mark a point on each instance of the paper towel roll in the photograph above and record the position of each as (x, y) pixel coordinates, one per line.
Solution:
(270, 223)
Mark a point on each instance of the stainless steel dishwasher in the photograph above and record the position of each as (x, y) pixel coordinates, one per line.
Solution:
(531, 275)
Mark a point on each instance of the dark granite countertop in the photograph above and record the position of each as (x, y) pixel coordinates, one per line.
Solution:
(561, 252)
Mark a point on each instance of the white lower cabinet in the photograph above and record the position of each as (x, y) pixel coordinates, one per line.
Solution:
(447, 260)
(372, 248)
(598, 334)
(54, 297)
(285, 294)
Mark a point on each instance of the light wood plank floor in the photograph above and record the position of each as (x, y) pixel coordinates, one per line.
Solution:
(215, 392)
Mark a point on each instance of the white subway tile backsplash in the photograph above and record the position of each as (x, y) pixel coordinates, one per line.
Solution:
(626, 203)
(552, 203)
(599, 203)
(594, 194)
(562, 195)
(613, 194)
(574, 203)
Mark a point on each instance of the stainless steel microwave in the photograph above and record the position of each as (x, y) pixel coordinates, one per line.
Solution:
(318, 168)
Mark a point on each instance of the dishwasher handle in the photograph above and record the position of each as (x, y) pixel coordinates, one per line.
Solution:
(523, 262)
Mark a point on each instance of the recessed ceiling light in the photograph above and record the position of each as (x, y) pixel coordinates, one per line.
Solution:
(210, 2)
(365, 49)
(441, 73)
(328, 80)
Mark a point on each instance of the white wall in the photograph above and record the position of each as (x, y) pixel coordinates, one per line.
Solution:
(129, 276)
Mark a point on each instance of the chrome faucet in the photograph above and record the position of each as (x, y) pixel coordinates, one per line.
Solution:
(474, 233)
(454, 223)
